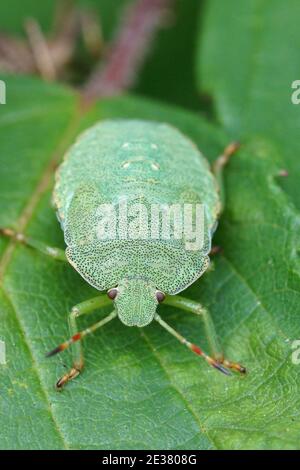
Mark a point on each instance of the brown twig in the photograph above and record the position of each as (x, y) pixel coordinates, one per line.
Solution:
(40, 50)
(137, 29)
(15, 56)
(50, 55)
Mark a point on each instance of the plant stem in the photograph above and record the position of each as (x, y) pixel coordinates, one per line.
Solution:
(128, 50)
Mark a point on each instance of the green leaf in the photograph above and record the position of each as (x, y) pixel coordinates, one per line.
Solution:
(248, 58)
(141, 388)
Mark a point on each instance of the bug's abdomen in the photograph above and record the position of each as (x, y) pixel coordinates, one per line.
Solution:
(131, 158)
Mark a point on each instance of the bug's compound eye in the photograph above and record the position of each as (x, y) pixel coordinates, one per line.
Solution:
(160, 296)
(112, 293)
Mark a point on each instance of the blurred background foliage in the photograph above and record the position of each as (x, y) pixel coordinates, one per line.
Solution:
(168, 71)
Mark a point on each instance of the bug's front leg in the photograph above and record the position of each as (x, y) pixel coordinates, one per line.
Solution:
(196, 308)
(219, 165)
(53, 252)
(83, 308)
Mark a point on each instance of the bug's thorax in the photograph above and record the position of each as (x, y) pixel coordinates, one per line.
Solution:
(136, 301)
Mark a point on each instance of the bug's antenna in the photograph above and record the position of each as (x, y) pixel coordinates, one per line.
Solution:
(81, 334)
(197, 350)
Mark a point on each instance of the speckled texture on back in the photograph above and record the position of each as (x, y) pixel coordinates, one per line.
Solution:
(145, 162)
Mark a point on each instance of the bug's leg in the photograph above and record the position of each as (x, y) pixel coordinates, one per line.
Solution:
(193, 347)
(215, 250)
(53, 252)
(194, 307)
(77, 367)
(220, 163)
(81, 309)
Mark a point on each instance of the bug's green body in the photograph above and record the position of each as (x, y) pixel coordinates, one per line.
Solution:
(137, 165)
(145, 162)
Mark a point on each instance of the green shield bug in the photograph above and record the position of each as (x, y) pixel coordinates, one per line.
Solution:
(136, 228)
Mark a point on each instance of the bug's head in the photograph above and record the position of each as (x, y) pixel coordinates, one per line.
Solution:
(136, 301)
